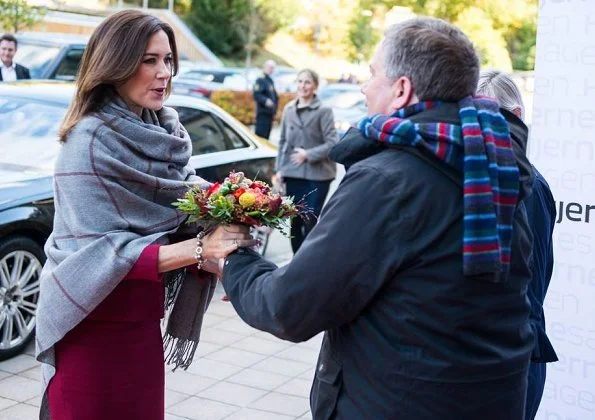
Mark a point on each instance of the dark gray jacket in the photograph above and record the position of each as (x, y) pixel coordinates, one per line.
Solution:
(22, 72)
(264, 88)
(312, 128)
(382, 274)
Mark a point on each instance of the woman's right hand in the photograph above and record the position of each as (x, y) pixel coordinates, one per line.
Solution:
(218, 244)
(277, 178)
(225, 239)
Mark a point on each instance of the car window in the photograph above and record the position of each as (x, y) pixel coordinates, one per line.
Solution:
(35, 57)
(205, 133)
(70, 64)
(234, 138)
(29, 132)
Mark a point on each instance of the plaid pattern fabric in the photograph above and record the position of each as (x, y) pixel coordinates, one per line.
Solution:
(481, 148)
(115, 180)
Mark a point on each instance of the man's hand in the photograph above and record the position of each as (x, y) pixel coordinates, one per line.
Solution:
(299, 156)
(269, 103)
(212, 267)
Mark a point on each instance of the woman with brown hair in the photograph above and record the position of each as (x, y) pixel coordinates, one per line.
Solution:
(118, 252)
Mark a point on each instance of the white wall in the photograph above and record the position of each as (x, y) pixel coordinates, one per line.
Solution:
(562, 146)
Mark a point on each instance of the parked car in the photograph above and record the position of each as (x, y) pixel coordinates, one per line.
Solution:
(30, 115)
(333, 89)
(51, 55)
(349, 107)
(201, 81)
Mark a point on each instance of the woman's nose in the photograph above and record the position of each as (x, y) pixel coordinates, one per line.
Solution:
(164, 72)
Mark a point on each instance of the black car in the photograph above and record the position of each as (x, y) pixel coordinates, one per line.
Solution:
(50, 55)
(30, 115)
(26, 215)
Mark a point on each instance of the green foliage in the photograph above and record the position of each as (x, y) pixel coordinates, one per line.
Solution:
(16, 15)
(278, 13)
(488, 41)
(503, 31)
(443, 9)
(521, 45)
(229, 27)
(215, 22)
(363, 36)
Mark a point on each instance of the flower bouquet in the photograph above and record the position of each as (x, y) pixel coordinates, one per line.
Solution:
(240, 200)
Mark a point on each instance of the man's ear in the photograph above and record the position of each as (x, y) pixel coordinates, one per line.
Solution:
(518, 112)
(402, 93)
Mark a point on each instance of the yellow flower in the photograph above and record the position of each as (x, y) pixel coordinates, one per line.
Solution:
(247, 199)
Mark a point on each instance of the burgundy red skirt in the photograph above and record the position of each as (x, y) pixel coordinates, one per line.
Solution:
(110, 366)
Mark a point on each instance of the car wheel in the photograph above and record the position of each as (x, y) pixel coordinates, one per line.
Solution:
(21, 260)
(263, 234)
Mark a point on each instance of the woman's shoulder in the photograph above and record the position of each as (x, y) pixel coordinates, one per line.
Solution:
(291, 104)
(90, 125)
(91, 129)
(325, 112)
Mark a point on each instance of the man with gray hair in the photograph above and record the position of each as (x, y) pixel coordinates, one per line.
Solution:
(417, 269)
(266, 99)
(541, 210)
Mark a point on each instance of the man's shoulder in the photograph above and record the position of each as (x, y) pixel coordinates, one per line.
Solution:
(388, 168)
(259, 83)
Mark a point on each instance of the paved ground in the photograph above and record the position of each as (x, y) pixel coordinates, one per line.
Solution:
(239, 373)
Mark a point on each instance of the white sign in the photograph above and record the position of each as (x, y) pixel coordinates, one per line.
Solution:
(562, 147)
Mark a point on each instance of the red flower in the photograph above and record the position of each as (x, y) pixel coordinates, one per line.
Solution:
(250, 221)
(238, 192)
(214, 188)
(275, 204)
(259, 185)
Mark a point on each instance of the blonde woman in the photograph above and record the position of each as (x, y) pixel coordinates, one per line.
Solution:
(307, 135)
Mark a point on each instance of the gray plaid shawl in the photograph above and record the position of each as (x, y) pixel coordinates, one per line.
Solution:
(115, 180)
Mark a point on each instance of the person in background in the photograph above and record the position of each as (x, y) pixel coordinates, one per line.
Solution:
(266, 99)
(541, 211)
(9, 70)
(417, 276)
(307, 135)
(118, 249)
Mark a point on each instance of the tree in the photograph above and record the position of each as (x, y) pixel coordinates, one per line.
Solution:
(503, 31)
(521, 45)
(228, 26)
(17, 14)
(363, 37)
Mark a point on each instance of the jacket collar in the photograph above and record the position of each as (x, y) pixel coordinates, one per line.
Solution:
(306, 118)
(314, 104)
(519, 133)
(4, 66)
(354, 147)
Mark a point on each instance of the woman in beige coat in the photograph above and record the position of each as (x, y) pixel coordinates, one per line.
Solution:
(307, 135)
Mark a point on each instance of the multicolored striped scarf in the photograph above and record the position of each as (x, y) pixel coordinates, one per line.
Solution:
(481, 148)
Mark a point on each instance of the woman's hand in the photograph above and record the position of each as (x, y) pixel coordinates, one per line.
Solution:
(224, 240)
(277, 178)
(299, 156)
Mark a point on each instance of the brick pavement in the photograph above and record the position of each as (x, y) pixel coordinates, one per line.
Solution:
(239, 373)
